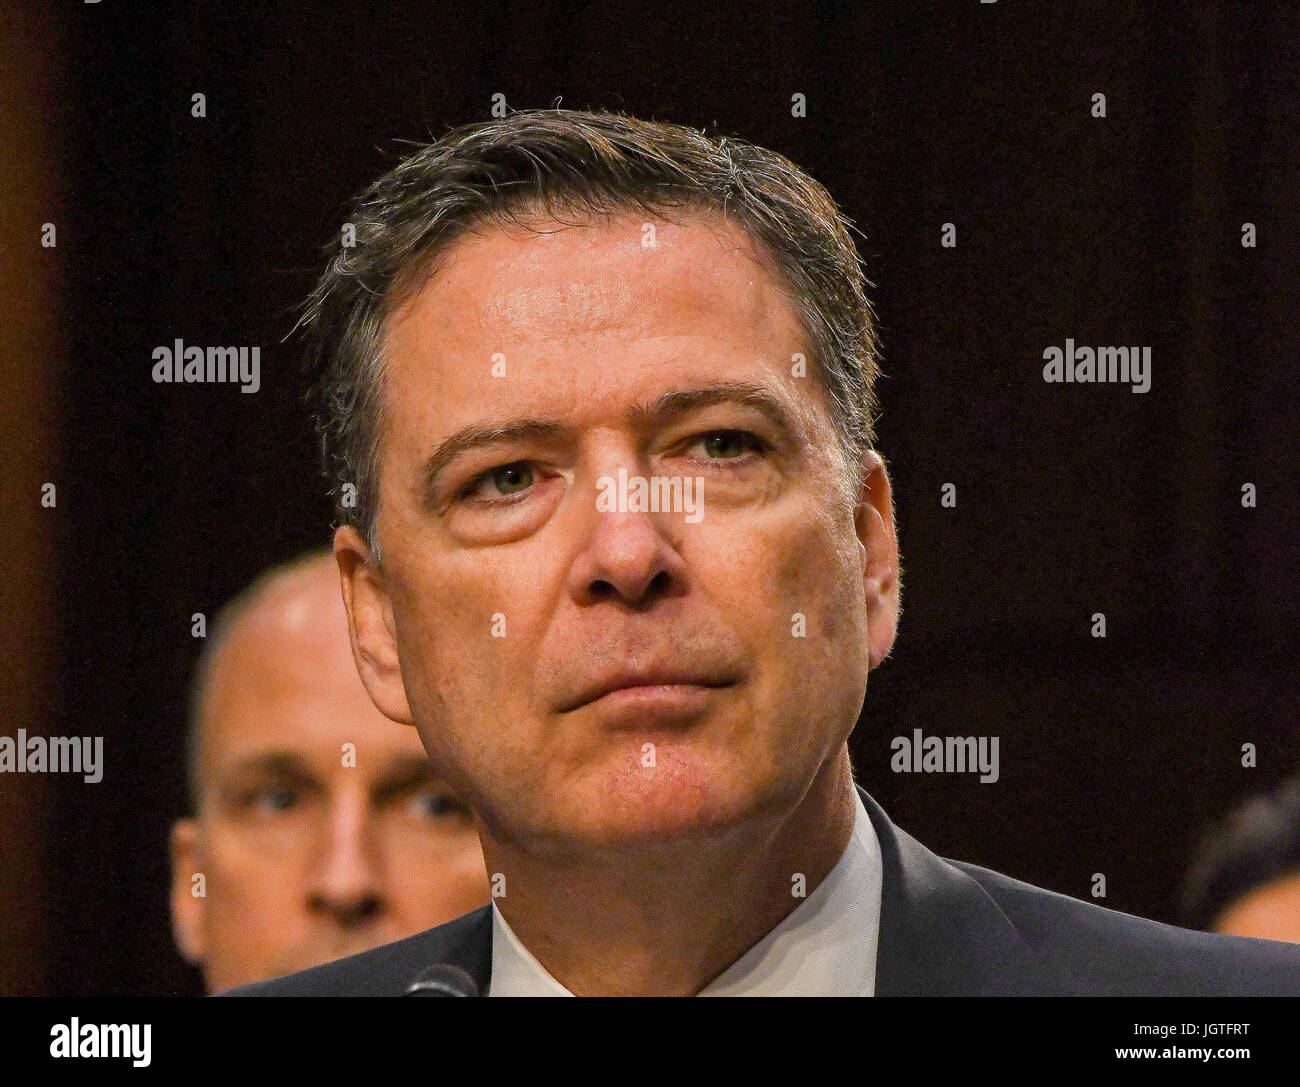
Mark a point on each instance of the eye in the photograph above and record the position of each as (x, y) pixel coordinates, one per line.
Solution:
(728, 444)
(508, 479)
(432, 804)
(272, 798)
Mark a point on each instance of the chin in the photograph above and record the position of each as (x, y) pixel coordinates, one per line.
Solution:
(663, 806)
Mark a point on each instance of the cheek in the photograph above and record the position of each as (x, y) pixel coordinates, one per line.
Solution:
(830, 566)
(451, 882)
(806, 622)
(249, 895)
(798, 582)
(238, 866)
(447, 627)
(467, 634)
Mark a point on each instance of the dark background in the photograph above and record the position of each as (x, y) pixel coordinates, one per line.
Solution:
(1072, 499)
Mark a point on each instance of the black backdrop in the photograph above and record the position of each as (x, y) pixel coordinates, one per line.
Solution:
(1072, 499)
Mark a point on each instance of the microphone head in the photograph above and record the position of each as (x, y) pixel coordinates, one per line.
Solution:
(442, 980)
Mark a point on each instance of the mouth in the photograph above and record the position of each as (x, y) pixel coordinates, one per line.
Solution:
(649, 691)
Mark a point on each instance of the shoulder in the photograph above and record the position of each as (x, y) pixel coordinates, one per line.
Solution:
(1085, 949)
(390, 969)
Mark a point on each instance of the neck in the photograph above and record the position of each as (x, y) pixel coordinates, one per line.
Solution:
(656, 926)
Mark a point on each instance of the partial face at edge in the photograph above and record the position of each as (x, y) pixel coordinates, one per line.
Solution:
(1270, 911)
(587, 676)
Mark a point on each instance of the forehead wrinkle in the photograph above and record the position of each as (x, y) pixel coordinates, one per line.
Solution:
(576, 306)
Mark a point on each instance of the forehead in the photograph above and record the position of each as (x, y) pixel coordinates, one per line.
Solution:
(576, 314)
(285, 681)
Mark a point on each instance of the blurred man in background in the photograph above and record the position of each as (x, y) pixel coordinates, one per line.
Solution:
(320, 827)
(1245, 879)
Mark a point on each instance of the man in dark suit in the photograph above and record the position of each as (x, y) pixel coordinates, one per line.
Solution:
(596, 398)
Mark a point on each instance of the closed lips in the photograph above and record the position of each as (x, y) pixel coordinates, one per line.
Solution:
(603, 687)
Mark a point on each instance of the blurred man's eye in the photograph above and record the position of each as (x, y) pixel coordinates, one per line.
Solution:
(432, 804)
(270, 799)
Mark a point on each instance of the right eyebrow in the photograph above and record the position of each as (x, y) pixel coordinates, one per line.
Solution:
(477, 436)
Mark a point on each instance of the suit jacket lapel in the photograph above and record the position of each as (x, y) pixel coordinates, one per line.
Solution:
(940, 932)
(465, 942)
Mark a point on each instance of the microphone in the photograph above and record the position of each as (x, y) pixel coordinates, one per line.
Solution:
(442, 980)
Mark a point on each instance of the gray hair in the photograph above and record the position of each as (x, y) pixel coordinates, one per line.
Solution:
(565, 162)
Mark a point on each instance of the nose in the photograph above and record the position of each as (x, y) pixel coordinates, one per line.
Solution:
(626, 557)
(347, 884)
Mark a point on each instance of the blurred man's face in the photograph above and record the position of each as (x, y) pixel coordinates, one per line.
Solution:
(591, 677)
(1269, 912)
(311, 849)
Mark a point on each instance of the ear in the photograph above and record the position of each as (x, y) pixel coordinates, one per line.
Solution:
(187, 910)
(881, 576)
(370, 625)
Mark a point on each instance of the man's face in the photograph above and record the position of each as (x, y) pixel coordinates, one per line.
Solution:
(311, 849)
(589, 676)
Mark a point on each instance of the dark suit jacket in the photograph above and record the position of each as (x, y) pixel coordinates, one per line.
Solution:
(946, 929)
